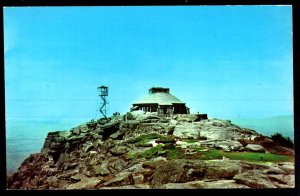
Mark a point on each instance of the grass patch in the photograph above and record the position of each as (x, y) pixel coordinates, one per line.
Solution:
(170, 150)
(252, 156)
(152, 152)
(246, 156)
(174, 153)
(131, 156)
(198, 148)
(143, 139)
(190, 140)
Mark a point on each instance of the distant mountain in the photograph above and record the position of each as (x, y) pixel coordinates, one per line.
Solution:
(270, 125)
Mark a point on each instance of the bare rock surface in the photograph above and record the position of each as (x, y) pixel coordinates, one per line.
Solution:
(146, 151)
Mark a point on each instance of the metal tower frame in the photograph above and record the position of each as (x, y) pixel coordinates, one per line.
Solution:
(103, 93)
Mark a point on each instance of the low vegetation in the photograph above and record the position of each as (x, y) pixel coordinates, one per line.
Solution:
(284, 141)
(143, 139)
(246, 156)
(190, 140)
(152, 152)
(197, 152)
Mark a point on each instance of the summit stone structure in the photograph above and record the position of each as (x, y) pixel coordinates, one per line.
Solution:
(160, 100)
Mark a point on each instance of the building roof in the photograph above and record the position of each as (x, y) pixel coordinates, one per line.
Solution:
(161, 98)
(102, 86)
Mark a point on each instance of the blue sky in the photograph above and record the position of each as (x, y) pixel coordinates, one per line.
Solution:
(226, 61)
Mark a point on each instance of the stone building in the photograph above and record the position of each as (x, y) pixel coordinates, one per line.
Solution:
(161, 101)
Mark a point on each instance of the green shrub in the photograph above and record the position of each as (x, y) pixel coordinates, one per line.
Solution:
(284, 141)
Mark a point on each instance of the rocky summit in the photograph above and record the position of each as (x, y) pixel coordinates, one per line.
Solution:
(147, 151)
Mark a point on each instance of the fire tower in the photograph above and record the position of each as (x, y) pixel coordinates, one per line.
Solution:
(103, 93)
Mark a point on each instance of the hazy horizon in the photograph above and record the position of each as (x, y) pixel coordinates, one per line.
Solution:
(17, 128)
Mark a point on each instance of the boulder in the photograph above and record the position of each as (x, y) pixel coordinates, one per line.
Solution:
(220, 169)
(102, 169)
(135, 186)
(132, 124)
(86, 183)
(228, 145)
(254, 179)
(186, 130)
(172, 171)
(76, 131)
(153, 163)
(135, 168)
(138, 179)
(77, 177)
(217, 133)
(109, 129)
(188, 118)
(88, 146)
(67, 175)
(118, 135)
(255, 148)
(219, 184)
(69, 166)
(173, 122)
(287, 167)
(283, 181)
(118, 150)
(121, 179)
(117, 165)
(148, 116)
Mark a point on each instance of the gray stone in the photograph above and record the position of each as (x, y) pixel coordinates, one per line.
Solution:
(218, 169)
(102, 169)
(69, 166)
(188, 117)
(121, 179)
(138, 179)
(254, 179)
(77, 177)
(219, 184)
(87, 147)
(228, 145)
(283, 181)
(288, 167)
(119, 150)
(117, 165)
(186, 130)
(76, 131)
(135, 186)
(153, 163)
(255, 148)
(172, 171)
(86, 183)
(67, 175)
(118, 135)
